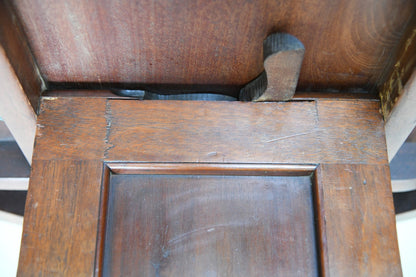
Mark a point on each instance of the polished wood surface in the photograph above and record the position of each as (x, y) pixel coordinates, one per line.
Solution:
(355, 201)
(297, 132)
(192, 225)
(60, 225)
(79, 137)
(14, 41)
(215, 43)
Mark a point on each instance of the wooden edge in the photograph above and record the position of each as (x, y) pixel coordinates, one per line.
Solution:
(16, 46)
(187, 169)
(62, 205)
(400, 69)
(212, 169)
(12, 218)
(83, 93)
(403, 185)
(14, 183)
(319, 212)
(402, 119)
(102, 222)
(15, 108)
(357, 215)
(339, 96)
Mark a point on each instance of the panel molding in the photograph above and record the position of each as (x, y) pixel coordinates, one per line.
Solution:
(210, 169)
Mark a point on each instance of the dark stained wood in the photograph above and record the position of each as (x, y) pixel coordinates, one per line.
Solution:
(297, 132)
(80, 133)
(61, 216)
(14, 42)
(193, 225)
(283, 55)
(348, 43)
(356, 210)
(303, 95)
(404, 65)
(213, 169)
(77, 137)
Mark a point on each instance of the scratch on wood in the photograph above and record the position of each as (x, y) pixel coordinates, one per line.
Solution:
(286, 137)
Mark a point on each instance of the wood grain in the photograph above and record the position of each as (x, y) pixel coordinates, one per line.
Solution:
(282, 63)
(71, 128)
(15, 109)
(358, 216)
(77, 136)
(14, 41)
(296, 132)
(400, 73)
(348, 43)
(61, 217)
(213, 169)
(176, 225)
(283, 55)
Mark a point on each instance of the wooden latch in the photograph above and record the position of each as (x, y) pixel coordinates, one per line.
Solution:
(283, 55)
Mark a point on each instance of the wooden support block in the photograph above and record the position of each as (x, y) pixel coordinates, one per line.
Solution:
(15, 107)
(402, 119)
(283, 55)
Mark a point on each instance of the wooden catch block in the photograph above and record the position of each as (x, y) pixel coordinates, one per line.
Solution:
(283, 55)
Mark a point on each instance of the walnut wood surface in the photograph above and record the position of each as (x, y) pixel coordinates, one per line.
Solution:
(60, 226)
(178, 225)
(348, 43)
(77, 136)
(356, 201)
(297, 132)
(15, 44)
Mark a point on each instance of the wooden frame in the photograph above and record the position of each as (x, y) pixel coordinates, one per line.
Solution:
(198, 169)
(78, 137)
(402, 119)
(15, 108)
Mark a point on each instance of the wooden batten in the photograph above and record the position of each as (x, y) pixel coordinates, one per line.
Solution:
(16, 47)
(402, 119)
(15, 108)
(403, 66)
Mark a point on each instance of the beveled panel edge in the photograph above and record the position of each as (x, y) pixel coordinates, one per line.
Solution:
(320, 223)
(102, 221)
(218, 169)
(228, 169)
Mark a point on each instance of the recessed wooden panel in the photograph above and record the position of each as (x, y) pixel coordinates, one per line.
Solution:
(349, 43)
(202, 225)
